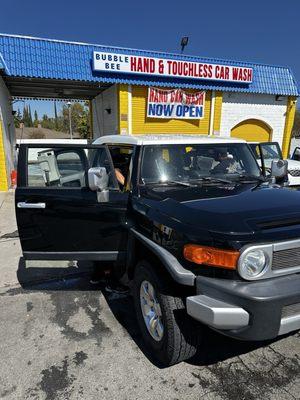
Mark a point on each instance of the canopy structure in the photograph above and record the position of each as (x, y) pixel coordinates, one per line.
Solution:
(59, 69)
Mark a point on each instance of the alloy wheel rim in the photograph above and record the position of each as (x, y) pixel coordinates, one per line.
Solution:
(151, 311)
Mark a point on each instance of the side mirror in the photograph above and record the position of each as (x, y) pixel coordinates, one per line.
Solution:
(98, 181)
(279, 170)
(98, 178)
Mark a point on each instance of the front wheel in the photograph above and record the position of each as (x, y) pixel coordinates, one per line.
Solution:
(168, 331)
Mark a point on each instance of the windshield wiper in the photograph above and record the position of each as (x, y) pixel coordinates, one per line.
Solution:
(213, 179)
(169, 181)
(250, 178)
(176, 182)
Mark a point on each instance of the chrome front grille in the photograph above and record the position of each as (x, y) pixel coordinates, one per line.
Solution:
(288, 258)
(291, 310)
(294, 172)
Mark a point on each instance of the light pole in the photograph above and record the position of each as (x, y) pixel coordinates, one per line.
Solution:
(70, 119)
(184, 42)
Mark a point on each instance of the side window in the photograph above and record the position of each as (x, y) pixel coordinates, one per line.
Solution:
(270, 152)
(121, 157)
(65, 167)
(56, 167)
(69, 162)
(101, 159)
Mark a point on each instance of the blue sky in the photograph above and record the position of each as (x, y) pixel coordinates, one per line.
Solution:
(262, 31)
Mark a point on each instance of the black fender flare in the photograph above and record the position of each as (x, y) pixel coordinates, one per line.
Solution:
(170, 262)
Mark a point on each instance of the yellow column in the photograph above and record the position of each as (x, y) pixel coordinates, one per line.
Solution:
(3, 171)
(123, 109)
(218, 112)
(289, 122)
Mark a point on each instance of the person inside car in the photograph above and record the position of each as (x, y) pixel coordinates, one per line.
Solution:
(225, 162)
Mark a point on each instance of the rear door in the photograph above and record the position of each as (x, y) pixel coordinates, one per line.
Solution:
(58, 216)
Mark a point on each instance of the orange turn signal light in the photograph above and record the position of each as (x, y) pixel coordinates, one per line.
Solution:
(211, 256)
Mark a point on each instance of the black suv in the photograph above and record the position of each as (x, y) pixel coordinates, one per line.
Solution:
(189, 223)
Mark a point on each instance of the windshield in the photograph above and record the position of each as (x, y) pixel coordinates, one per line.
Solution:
(188, 163)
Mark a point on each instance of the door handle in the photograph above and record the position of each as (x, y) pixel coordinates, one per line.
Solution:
(23, 204)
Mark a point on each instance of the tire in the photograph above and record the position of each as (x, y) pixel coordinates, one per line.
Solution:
(181, 334)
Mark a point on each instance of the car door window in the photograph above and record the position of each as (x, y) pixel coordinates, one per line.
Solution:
(65, 166)
(270, 151)
(56, 167)
(103, 159)
(121, 158)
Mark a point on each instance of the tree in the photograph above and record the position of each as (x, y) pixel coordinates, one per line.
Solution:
(36, 119)
(27, 117)
(30, 117)
(83, 126)
(79, 118)
(17, 118)
(296, 127)
(47, 122)
(60, 120)
(55, 117)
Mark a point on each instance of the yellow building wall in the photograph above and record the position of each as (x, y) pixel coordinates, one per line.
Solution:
(289, 122)
(3, 172)
(123, 108)
(218, 112)
(142, 124)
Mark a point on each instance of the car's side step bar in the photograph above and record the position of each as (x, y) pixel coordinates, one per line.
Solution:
(81, 255)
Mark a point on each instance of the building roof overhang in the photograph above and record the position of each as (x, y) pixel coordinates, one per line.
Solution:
(22, 87)
(60, 61)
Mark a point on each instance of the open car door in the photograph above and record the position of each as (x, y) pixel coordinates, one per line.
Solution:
(265, 153)
(58, 215)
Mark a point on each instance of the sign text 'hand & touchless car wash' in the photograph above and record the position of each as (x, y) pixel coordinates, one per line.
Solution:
(113, 62)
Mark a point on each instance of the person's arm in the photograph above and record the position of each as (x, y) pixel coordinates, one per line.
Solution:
(120, 177)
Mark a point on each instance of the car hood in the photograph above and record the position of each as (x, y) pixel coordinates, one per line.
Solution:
(238, 210)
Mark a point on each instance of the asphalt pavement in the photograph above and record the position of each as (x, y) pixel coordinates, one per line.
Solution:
(62, 338)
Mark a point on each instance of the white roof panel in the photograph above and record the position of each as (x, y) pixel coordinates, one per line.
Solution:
(161, 138)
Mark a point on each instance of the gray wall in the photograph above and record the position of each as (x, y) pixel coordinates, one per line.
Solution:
(103, 122)
(9, 136)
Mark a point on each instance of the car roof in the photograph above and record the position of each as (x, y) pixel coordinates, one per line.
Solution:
(150, 139)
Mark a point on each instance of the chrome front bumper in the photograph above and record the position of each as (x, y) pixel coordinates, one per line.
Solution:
(216, 313)
(223, 316)
(289, 324)
(242, 311)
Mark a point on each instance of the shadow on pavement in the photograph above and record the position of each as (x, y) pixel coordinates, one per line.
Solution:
(214, 348)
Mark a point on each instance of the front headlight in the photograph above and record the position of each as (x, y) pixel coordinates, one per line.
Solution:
(252, 264)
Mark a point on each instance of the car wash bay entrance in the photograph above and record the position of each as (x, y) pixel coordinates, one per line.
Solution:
(23, 89)
(191, 94)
